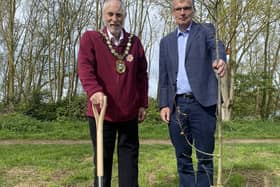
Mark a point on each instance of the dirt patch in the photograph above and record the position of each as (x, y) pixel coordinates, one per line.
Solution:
(154, 141)
(30, 175)
(151, 178)
(247, 141)
(59, 175)
(255, 178)
(276, 173)
(30, 184)
(88, 160)
(25, 171)
(267, 155)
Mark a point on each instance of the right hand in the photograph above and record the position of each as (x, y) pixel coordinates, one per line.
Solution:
(220, 67)
(165, 114)
(97, 99)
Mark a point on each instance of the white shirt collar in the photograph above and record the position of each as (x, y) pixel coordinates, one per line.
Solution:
(112, 37)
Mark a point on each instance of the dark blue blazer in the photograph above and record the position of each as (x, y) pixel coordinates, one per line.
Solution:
(200, 54)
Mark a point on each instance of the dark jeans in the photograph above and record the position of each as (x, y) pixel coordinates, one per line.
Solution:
(192, 124)
(127, 149)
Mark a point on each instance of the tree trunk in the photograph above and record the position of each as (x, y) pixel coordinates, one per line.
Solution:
(11, 53)
(267, 83)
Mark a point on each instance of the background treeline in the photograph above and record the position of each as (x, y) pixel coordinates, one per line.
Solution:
(39, 43)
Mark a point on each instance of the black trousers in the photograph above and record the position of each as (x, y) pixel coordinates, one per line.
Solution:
(127, 150)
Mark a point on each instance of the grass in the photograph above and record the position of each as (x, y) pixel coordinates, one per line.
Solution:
(252, 129)
(71, 165)
(18, 126)
(52, 165)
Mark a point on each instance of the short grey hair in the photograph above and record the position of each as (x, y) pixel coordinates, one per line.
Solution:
(107, 3)
(173, 1)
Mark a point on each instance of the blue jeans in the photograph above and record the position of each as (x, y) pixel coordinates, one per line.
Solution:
(192, 125)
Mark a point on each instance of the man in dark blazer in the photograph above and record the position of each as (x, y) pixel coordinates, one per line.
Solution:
(188, 92)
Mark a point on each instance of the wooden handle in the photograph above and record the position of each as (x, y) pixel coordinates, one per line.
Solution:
(99, 118)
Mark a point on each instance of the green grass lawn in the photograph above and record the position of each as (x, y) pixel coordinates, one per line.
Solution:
(249, 165)
(71, 165)
(18, 126)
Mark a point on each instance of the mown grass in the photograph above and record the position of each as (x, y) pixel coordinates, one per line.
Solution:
(71, 165)
(18, 126)
(251, 129)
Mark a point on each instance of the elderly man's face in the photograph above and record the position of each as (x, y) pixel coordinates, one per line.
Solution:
(114, 18)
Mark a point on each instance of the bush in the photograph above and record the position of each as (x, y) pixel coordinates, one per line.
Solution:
(20, 123)
(2, 107)
(40, 106)
(74, 108)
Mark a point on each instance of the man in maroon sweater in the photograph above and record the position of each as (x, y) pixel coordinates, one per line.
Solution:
(112, 62)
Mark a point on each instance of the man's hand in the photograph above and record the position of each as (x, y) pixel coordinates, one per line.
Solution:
(219, 67)
(165, 114)
(141, 114)
(97, 99)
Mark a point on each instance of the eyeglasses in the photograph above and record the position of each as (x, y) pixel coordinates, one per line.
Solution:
(179, 9)
(118, 15)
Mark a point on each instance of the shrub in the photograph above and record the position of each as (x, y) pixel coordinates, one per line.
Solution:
(74, 108)
(40, 106)
(20, 123)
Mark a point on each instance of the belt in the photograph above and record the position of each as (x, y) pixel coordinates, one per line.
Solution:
(185, 95)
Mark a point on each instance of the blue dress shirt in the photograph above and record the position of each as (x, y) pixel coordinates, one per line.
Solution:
(183, 85)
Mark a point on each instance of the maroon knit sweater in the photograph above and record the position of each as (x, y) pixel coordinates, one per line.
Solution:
(96, 69)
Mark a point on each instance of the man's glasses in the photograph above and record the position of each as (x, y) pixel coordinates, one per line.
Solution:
(179, 9)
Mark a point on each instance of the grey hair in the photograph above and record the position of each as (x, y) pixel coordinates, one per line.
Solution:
(182, 1)
(106, 4)
(193, 3)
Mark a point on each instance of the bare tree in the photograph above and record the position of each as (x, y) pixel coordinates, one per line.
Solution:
(7, 29)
